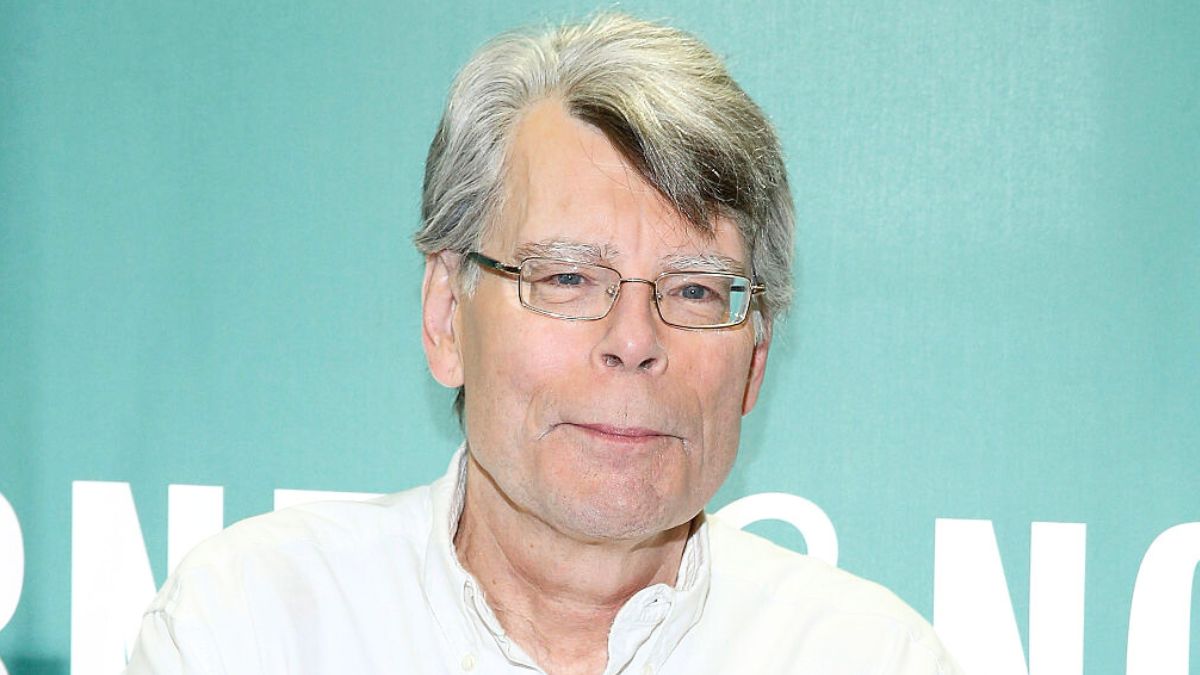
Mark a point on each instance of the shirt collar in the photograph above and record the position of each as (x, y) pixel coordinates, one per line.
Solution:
(442, 577)
(647, 628)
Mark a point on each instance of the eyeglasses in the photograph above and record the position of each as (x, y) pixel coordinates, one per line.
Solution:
(585, 292)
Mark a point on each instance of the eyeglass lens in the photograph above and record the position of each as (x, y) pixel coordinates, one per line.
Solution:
(582, 291)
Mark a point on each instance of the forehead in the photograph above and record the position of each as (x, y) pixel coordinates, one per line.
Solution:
(568, 188)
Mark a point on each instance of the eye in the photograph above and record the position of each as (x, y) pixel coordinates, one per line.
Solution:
(567, 279)
(695, 292)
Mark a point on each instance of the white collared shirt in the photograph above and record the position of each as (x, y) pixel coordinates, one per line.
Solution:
(375, 587)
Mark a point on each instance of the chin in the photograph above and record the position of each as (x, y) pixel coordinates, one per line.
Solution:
(611, 517)
(633, 501)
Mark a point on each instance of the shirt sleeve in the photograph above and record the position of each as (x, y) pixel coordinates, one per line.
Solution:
(175, 637)
(921, 654)
(156, 652)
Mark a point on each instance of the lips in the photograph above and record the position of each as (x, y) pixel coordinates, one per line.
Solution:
(619, 434)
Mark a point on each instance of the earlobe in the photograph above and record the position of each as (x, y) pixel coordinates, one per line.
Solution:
(758, 369)
(439, 305)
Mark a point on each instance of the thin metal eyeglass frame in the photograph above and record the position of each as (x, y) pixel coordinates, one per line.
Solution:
(514, 271)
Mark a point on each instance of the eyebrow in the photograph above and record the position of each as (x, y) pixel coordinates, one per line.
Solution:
(704, 262)
(566, 249)
(603, 254)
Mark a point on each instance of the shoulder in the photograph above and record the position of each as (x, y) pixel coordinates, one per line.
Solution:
(819, 608)
(324, 528)
(756, 565)
(304, 584)
(299, 544)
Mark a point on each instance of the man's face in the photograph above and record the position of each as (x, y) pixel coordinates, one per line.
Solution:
(611, 429)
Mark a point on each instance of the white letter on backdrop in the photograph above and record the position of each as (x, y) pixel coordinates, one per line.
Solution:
(111, 581)
(12, 565)
(1057, 569)
(1160, 613)
(819, 536)
(972, 609)
(194, 513)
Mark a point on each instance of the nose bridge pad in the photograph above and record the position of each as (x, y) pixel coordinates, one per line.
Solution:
(614, 291)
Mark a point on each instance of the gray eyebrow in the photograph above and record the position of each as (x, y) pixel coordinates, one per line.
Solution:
(566, 249)
(704, 262)
(604, 254)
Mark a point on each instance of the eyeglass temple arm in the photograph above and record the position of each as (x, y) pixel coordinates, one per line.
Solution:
(492, 263)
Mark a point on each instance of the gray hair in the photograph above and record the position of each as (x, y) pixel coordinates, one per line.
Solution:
(659, 95)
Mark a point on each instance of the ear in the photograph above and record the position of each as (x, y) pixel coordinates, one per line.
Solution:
(439, 306)
(758, 368)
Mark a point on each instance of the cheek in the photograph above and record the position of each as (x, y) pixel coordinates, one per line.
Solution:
(511, 359)
(721, 372)
(721, 384)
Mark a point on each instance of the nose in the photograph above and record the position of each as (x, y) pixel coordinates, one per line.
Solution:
(632, 331)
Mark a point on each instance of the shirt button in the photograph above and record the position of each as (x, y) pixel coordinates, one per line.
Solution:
(647, 669)
(468, 662)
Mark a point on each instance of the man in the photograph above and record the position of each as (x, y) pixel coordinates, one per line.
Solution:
(608, 236)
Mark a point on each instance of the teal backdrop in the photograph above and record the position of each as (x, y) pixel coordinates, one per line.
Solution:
(206, 274)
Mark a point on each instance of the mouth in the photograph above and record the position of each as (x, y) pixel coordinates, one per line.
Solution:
(615, 434)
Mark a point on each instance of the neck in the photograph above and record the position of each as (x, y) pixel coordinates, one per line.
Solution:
(554, 594)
